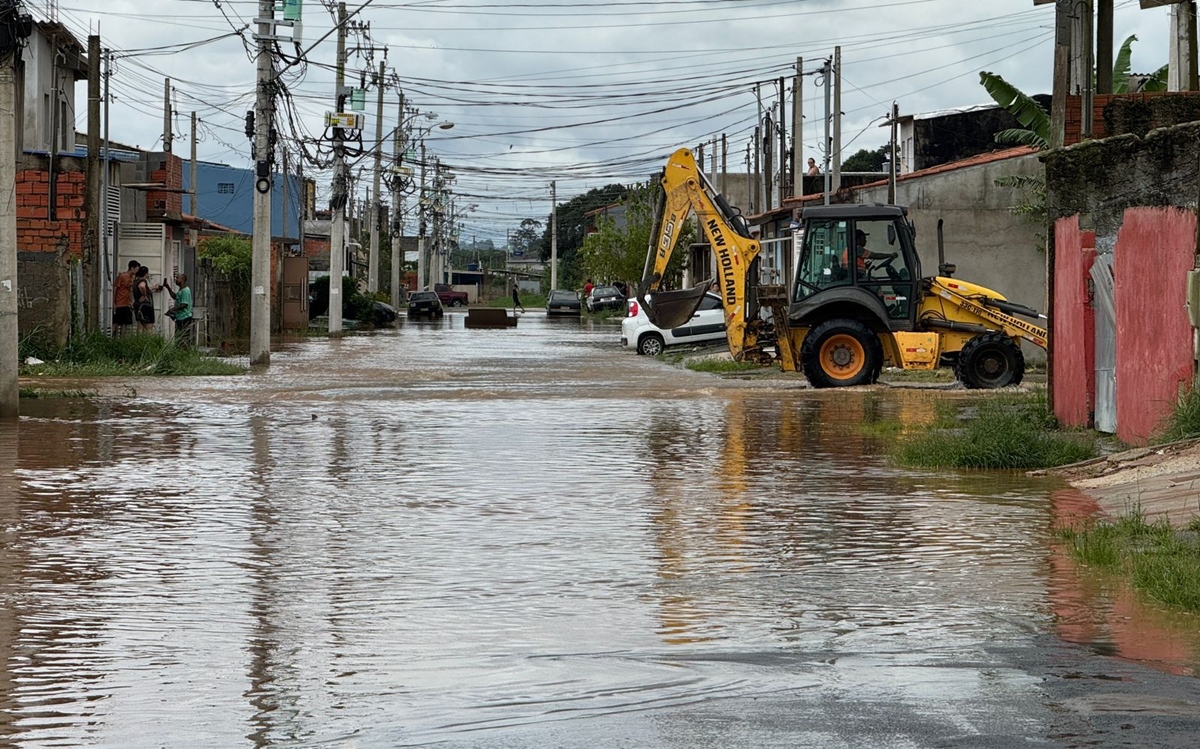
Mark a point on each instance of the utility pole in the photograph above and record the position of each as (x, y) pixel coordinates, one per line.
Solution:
(337, 239)
(894, 122)
(397, 213)
(756, 199)
(798, 129)
(107, 263)
(421, 225)
(9, 394)
(837, 118)
(194, 203)
(1062, 71)
(553, 235)
(724, 163)
(1104, 46)
(260, 265)
(827, 77)
(1181, 55)
(376, 203)
(783, 170)
(167, 134)
(95, 277)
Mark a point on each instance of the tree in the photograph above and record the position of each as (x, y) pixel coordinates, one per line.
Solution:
(232, 258)
(573, 224)
(867, 161)
(619, 254)
(524, 241)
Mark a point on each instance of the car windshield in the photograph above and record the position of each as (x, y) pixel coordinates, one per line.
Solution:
(561, 296)
(422, 296)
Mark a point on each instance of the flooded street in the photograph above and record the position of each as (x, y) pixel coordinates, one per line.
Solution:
(531, 538)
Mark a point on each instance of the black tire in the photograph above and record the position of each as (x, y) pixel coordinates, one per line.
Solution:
(650, 344)
(990, 360)
(841, 353)
(456, 303)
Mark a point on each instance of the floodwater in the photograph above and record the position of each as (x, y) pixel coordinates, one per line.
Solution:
(531, 538)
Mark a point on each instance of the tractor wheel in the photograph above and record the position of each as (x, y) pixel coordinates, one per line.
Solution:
(990, 360)
(650, 344)
(841, 353)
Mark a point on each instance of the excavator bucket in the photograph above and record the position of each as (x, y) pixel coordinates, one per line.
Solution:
(671, 309)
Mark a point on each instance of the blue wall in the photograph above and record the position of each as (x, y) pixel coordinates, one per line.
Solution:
(236, 209)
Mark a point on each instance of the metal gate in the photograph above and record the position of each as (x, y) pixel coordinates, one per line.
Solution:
(1106, 343)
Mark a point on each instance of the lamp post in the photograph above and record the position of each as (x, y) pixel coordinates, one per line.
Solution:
(408, 131)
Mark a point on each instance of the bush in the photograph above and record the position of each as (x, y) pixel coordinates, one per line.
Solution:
(355, 305)
(97, 355)
(1184, 421)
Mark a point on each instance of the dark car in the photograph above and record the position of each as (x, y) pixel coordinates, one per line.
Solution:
(605, 297)
(424, 304)
(562, 302)
(385, 314)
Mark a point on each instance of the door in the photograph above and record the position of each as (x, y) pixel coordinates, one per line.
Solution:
(1106, 344)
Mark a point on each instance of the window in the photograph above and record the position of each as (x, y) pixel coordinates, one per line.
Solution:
(821, 260)
(225, 188)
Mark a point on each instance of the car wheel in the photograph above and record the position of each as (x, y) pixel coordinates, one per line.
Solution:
(990, 360)
(841, 353)
(651, 344)
(456, 303)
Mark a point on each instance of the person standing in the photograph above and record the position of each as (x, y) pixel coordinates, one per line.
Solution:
(143, 300)
(181, 311)
(123, 300)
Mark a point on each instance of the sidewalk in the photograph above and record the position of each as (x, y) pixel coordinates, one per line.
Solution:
(1163, 481)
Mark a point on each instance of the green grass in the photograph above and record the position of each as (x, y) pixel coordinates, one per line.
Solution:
(1159, 560)
(722, 366)
(1184, 421)
(528, 301)
(97, 355)
(940, 374)
(1014, 432)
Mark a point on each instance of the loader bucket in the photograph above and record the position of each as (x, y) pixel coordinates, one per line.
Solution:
(671, 309)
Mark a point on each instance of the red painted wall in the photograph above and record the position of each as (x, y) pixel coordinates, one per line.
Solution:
(1073, 325)
(1155, 249)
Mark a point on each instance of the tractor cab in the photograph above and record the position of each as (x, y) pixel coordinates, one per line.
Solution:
(858, 255)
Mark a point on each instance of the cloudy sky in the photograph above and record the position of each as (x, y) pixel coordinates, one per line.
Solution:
(582, 92)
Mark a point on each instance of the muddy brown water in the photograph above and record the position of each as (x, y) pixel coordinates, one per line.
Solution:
(528, 537)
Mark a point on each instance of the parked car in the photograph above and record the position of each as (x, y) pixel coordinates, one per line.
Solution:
(562, 302)
(449, 297)
(605, 297)
(708, 324)
(385, 314)
(424, 304)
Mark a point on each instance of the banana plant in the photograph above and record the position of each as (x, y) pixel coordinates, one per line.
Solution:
(1034, 119)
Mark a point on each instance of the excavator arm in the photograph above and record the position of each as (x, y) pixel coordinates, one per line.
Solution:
(685, 191)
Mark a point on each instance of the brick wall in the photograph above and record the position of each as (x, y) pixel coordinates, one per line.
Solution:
(168, 171)
(35, 231)
(1119, 114)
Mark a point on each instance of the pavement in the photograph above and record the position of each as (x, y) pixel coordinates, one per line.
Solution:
(1162, 481)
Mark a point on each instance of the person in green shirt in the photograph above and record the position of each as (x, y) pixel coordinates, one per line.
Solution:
(181, 311)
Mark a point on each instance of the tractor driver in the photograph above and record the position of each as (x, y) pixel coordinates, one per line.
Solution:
(862, 254)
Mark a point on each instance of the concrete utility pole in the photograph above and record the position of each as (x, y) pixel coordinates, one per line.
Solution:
(421, 225)
(756, 196)
(95, 276)
(724, 163)
(167, 134)
(107, 262)
(376, 203)
(837, 118)
(194, 202)
(553, 235)
(337, 238)
(894, 121)
(397, 214)
(1181, 71)
(798, 129)
(827, 77)
(783, 170)
(9, 394)
(260, 264)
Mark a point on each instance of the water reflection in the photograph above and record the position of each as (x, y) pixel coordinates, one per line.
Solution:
(447, 535)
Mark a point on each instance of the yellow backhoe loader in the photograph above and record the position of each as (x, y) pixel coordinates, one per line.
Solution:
(857, 300)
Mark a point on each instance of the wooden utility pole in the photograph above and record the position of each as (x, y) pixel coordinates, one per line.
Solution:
(724, 163)
(783, 167)
(1062, 71)
(94, 277)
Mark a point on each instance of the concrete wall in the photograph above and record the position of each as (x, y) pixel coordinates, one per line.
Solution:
(1139, 195)
(44, 296)
(989, 244)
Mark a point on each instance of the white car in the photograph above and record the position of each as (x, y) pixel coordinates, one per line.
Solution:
(707, 324)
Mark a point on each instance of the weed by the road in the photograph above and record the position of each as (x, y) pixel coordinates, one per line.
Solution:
(1000, 431)
(1184, 421)
(97, 355)
(1160, 560)
(722, 366)
(41, 393)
